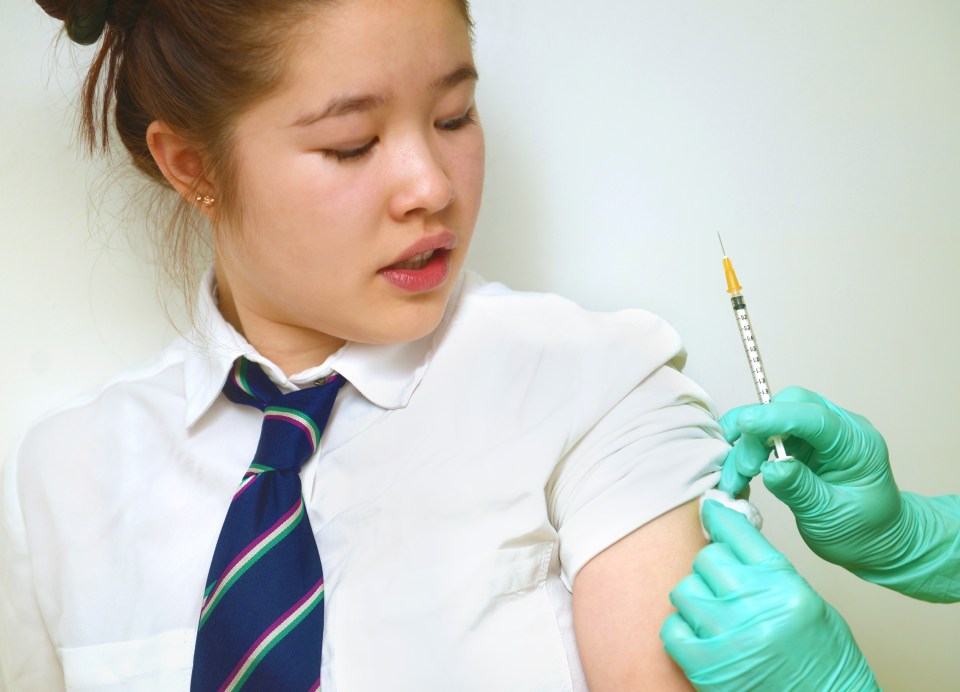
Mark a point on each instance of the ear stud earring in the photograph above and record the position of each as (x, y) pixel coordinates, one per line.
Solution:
(205, 200)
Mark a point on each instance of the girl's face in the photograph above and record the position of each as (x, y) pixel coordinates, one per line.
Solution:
(360, 180)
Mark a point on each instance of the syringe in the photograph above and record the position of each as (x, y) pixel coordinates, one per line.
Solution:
(749, 343)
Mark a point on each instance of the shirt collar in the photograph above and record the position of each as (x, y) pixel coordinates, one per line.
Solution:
(385, 374)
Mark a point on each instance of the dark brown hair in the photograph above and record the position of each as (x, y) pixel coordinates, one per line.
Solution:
(195, 65)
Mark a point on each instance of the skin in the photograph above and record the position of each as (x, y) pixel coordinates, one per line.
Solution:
(621, 598)
(330, 201)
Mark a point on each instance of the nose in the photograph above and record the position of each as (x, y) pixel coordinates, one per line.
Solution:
(422, 184)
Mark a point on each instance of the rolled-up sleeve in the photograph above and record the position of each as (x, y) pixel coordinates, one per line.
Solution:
(655, 449)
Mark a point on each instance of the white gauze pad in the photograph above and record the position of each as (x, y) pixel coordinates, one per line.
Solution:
(727, 500)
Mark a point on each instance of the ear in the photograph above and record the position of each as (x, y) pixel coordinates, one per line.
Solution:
(180, 162)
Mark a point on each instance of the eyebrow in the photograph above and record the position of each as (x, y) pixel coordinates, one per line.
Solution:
(346, 105)
(465, 72)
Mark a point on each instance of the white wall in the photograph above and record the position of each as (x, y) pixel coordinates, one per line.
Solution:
(820, 138)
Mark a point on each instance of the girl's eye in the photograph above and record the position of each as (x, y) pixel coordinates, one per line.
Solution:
(468, 118)
(351, 154)
(355, 153)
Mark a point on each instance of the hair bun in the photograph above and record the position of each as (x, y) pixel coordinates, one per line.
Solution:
(83, 19)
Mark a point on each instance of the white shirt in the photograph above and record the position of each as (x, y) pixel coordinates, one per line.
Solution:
(462, 482)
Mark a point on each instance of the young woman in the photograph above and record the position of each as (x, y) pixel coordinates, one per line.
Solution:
(501, 497)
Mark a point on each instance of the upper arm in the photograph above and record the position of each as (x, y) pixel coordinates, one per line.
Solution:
(621, 598)
(644, 444)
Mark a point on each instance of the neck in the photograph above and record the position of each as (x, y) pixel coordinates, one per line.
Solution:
(291, 347)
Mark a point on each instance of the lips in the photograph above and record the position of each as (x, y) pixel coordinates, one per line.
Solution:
(423, 266)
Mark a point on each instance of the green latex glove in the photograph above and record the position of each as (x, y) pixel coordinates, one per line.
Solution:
(746, 620)
(843, 495)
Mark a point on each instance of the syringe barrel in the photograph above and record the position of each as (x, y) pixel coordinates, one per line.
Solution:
(750, 347)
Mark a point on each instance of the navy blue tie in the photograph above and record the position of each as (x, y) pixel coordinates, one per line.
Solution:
(261, 623)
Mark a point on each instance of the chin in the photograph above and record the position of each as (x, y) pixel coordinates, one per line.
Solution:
(409, 324)
(413, 332)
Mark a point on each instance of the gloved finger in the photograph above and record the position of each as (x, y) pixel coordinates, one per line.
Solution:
(708, 664)
(681, 642)
(732, 529)
(676, 629)
(728, 422)
(818, 424)
(742, 463)
(731, 480)
(721, 571)
(860, 421)
(798, 487)
(698, 605)
(850, 421)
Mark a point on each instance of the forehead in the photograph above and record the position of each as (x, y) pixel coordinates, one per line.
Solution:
(378, 44)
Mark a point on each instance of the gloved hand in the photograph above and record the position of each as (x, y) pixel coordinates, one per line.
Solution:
(843, 495)
(747, 621)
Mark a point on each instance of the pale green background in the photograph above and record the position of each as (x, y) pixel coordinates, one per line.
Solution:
(820, 138)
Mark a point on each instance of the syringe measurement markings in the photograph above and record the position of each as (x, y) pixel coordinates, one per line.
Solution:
(753, 357)
(750, 348)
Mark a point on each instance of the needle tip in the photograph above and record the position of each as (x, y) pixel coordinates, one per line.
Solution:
(721, 244)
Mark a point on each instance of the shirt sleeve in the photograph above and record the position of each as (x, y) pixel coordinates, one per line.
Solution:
(28, 659)
(655, 449)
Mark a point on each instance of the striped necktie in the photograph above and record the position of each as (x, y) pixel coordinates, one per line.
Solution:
(261, 622)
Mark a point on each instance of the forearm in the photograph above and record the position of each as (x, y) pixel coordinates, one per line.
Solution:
(925, 558)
